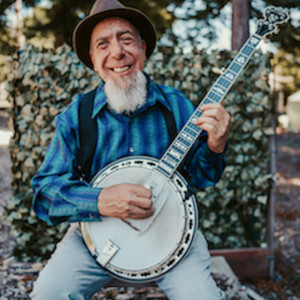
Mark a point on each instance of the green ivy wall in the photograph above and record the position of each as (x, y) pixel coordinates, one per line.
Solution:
(232, 214)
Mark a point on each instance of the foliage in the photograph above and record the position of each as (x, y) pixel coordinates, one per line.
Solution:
(288, 64)
(232, 214)
(52, 25)
(59, 19)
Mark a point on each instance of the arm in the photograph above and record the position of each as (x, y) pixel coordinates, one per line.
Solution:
(59, 194)
(205, 162)
(215, 121)
(208, 162)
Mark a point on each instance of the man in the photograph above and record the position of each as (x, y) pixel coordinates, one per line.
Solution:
(115, 41)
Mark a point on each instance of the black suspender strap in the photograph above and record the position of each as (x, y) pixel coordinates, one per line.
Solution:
(88, 131)
(168, 115)
(87, 134)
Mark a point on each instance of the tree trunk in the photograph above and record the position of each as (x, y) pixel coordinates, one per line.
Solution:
(240, 22)
(20, 24)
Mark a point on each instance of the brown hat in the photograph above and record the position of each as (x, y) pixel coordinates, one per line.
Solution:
(103, 9)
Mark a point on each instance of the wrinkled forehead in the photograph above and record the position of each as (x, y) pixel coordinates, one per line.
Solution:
(115, 24)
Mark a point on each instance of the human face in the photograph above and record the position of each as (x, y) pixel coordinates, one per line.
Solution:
(116, 50)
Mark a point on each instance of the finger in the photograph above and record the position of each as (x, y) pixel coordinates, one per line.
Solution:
(140, 191)
(140, 213)
(140, 196)
(212, 105)
(212, 115)
(214, 109)
(206, 120)
(141, 202)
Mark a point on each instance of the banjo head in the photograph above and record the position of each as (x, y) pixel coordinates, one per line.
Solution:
(133, 255)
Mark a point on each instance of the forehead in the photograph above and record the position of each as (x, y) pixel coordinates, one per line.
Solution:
(112, 25)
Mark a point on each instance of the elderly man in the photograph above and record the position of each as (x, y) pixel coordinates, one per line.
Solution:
(115, 41)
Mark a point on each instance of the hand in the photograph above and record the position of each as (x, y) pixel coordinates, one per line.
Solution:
(126, 201)
(214, 120)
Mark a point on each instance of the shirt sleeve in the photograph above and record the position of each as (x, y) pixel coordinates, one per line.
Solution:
(59, 194)
(205, 167)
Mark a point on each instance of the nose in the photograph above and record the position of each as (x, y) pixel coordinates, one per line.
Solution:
(117, 50)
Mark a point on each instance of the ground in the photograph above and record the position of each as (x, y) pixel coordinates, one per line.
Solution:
(16, 278)
(286, 284)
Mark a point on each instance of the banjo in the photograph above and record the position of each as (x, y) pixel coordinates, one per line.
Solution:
(144, 250)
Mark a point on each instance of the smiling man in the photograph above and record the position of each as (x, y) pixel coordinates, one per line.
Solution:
(115, 41)
(118, 54)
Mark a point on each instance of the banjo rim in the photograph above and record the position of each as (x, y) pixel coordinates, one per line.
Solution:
(160, 268)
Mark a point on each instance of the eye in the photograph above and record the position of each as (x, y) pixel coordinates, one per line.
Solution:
(126, 39)
(101, 45)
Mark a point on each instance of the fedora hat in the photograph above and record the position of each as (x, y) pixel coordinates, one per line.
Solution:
(103, 9)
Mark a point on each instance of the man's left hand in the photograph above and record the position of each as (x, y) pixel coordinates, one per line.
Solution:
(214, 120)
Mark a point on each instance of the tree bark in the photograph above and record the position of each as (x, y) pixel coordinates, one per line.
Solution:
(240, 22)
(20, 25)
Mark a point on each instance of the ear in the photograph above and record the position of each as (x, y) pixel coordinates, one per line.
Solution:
(143, 50)
(92, 59)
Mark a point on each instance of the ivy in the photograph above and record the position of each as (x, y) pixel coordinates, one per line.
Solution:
(231, 214)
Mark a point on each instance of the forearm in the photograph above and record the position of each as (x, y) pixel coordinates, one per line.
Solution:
(71, 201)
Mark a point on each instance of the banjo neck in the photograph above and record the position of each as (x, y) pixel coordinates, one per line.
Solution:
(188, 135)
(176, 152)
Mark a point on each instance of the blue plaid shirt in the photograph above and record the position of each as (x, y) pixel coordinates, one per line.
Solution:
(60, 195)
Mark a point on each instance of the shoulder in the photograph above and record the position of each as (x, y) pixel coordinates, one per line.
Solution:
(176, 99)
(69, 115)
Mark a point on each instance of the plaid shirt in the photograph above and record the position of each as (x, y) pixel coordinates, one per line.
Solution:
(60, 195)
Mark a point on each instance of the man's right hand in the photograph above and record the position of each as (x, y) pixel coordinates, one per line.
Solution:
(126, 201)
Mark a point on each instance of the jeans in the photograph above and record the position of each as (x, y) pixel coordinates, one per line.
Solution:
(72, 273)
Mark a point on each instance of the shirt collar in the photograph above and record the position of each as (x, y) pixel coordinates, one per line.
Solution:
(154, 95)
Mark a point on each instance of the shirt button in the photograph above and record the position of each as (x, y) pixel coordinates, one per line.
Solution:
(131, 150)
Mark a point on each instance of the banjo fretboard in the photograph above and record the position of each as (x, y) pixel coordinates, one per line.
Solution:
(188, 135)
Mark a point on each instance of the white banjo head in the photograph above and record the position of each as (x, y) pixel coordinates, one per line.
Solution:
(131, 255)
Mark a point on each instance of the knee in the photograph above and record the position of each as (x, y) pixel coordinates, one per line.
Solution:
(54, 288)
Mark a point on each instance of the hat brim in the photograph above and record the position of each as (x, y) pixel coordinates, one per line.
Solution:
(83, 30)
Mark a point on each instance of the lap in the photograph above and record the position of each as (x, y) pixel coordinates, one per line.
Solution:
(192, 279)
(72, 273)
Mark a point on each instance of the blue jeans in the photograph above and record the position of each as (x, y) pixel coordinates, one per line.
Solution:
(72, 273)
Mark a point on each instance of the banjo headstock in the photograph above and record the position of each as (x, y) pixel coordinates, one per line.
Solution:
(274, 17)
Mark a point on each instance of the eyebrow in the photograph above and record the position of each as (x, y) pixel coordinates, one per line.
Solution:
(120, 33)
(124, 32)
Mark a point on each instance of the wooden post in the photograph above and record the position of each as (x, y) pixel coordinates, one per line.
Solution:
(240, 22)
(272, 196)
(20, 24)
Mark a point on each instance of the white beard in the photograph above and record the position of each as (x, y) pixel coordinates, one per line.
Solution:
(126, 95)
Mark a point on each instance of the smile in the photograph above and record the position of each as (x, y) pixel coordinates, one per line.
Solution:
(121, 69)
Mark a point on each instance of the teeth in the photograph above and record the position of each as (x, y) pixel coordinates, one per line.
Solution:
(119, 70)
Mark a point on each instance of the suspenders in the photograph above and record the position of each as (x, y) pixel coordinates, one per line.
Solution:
(88, 131)
(87, 134)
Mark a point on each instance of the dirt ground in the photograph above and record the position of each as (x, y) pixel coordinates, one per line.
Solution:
(284, 286)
